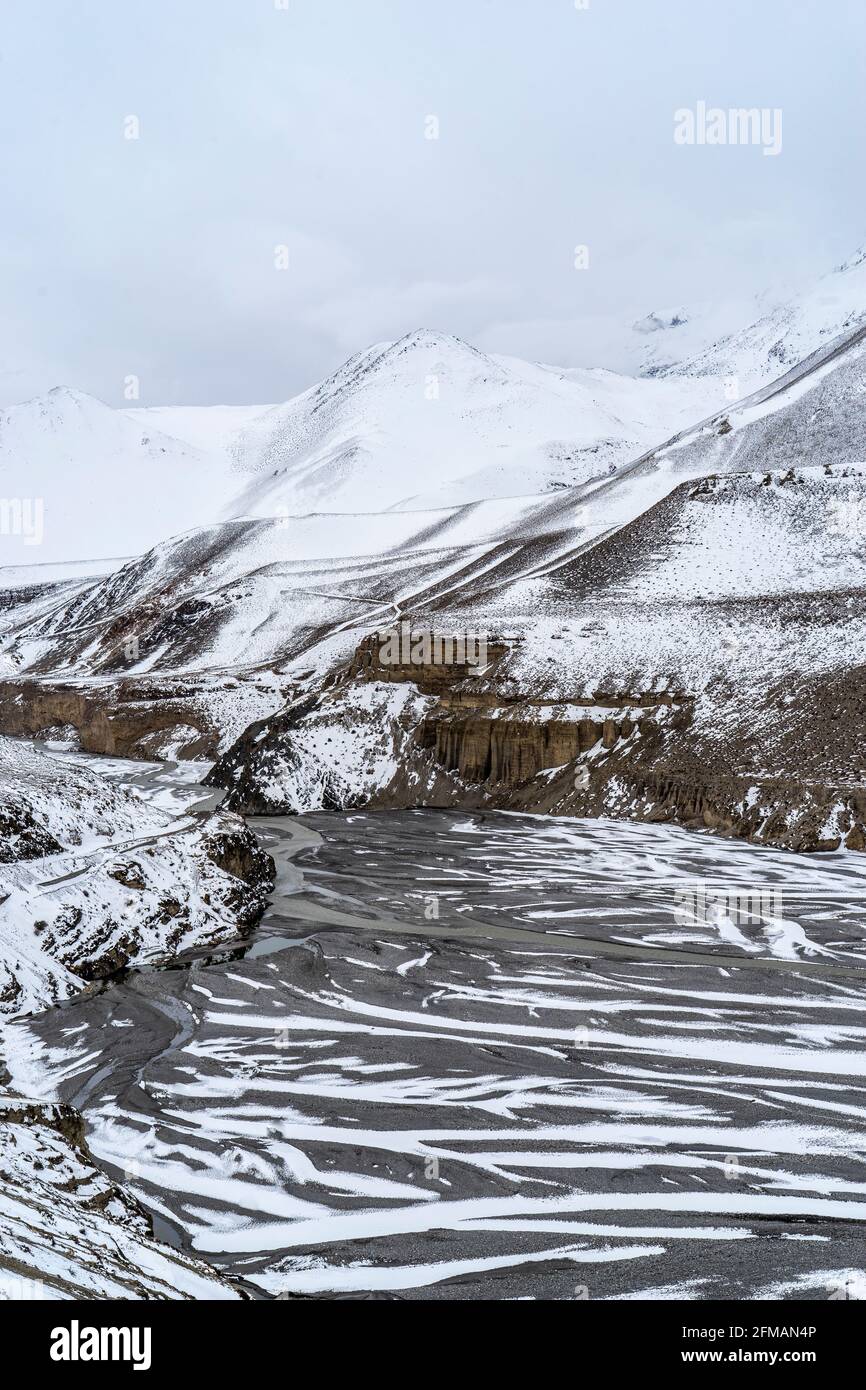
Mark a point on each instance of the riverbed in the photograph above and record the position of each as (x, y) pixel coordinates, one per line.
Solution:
(472, 1055)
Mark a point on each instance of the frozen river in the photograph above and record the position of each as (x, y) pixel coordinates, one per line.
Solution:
(496, 1056)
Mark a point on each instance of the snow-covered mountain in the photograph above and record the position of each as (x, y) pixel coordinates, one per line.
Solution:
(420, 468)
(93, 482)
(273, 590)
(661, 342)
(430, 421)
(787, 333)
(425, 422)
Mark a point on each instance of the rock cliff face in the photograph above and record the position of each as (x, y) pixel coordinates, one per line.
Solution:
(119, 720)
(505, 746)
(469, 738)
(136, 717)
(229, 845)
(694, 653)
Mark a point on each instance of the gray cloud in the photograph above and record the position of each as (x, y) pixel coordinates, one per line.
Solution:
(305, 127)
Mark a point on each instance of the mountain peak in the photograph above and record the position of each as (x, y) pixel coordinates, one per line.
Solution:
(426, 342)
(853, 261)
(660, 319)
(62, 392)
(60, 403)
(430, 338)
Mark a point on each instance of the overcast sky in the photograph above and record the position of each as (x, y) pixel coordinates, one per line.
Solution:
(305, 127)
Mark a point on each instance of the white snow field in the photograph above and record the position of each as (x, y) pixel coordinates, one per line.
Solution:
(425, 418)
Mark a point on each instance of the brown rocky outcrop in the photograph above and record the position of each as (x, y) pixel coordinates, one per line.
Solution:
(232, 847)
(56, 1115)
(21, 835)
(786, 774)
(114, 719)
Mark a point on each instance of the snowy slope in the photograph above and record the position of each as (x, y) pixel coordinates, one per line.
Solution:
(212, 428)
(29, 591)
(105, 484)
(258, 592)
(737, 536)
(780, 338)
(30, 578)
(93, 876)
(363, 495)
(665, 340)
(425, 422)
(812, 414)
(68, 1232)
(249, 593)
(430, 421)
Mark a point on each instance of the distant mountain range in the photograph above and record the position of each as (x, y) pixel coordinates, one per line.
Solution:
(753, 341)
(427, 421)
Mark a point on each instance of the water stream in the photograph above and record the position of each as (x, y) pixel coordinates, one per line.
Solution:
(484, 1055)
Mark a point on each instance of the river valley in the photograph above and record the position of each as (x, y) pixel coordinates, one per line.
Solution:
(484, 1055)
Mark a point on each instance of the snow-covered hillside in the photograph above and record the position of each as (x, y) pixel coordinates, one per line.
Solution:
(787, 333)
(68, 1232)
(424, 422)
(250, 593)
(812, 414)
(362, 499)
(269, 592)
(94, 483)
(662, 341)
(430, 421)
(211, 428)
(93, 876)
